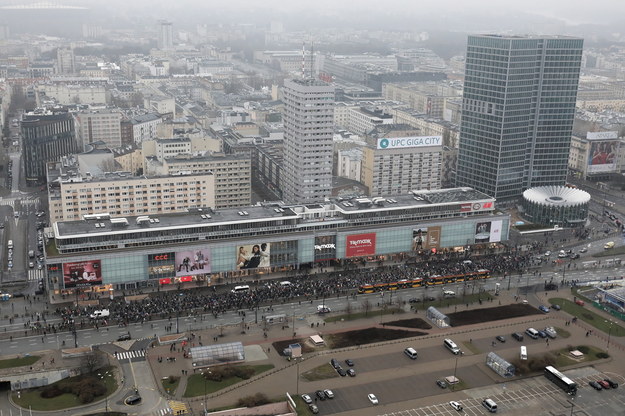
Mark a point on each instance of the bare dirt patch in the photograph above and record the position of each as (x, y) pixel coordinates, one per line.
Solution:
(497, 313)
(417, 323)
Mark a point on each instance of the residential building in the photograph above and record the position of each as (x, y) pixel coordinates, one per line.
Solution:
(165, 35)
(74, 195)
(65, 62)
(308, 128)
(518, 111)
(103, 125)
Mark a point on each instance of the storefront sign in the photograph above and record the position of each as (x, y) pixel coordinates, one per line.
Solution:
(360, 245)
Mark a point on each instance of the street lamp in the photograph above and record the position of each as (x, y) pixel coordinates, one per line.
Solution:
(106, 396)
(204, 377)
(609, 334)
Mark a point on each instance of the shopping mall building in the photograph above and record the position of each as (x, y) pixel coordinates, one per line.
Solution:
(100, 253)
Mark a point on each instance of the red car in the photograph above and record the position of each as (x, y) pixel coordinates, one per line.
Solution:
(604, 384)
(579, 302)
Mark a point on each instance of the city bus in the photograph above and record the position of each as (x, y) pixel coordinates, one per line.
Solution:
(561, 380)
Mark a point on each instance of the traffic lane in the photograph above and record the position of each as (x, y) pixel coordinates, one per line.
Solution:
(394, 390)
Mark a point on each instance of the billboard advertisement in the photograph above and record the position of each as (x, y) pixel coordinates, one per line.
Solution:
(193, 262)
(161, 265)
(488, 231)
(82, 273)
(325, 247)
(360, 245)
(253, 256)
(602, 156)
(426, 238)
(406, 142)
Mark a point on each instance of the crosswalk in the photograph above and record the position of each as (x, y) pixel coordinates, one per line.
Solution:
(178, 408)
(138, 355)
(35, 274)
(11, 201)
(164, 412)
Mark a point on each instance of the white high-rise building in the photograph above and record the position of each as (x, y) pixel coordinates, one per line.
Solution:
(308, 127)
(65, 63)
(165, 35)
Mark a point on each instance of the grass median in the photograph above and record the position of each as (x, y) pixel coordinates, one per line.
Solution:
(19, 361)
(197, 385)
(590, 317)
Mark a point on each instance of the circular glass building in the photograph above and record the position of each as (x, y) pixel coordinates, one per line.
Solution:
(556, 205)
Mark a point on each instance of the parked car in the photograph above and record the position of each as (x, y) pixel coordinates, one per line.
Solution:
(604, 384)
(307, 399)
(500, 338)
(518, 336)
(372, 398)
(595, 385)
(351, 372)
(556, 307)
(611, 383)
(313, 408)
(551, 332)
(320, 395)
(334, 363)
(542, 334)
(441, 384)
(457, 406)
(329, 394)
(341, 372)
(414, 300)
(349, 362)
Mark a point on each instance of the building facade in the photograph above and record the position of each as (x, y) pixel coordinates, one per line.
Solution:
(165, 35)
(215, 246)
(518, 111)
(308, 147)
(399, 165)
(99, 126)
(46, 138)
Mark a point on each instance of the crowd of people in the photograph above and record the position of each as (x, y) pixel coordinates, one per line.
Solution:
(266, 293)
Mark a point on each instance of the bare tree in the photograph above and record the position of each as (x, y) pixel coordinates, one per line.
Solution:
(349, 309)
(91, 362)
(108, 165)
(366, 305)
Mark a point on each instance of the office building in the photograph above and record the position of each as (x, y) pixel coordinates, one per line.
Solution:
(65, 62)
(518, 110)
(308, 147)
(102, 125)
(165, 35)
(46, 138)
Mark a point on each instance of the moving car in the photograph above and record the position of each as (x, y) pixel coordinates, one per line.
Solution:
(608, 245)
(124, 337)
(556, 307)
(500, 338)
(595, 385)
(543, 309)
(321, 309)
(441, 384)
(307, 399)
(329, 394)
(583, 250)
(132, 400)
(372, 398)
(457, 406)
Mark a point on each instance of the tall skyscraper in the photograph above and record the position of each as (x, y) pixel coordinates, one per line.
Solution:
(165, 35)
(65, 62)
(308, 128)
(518, 109)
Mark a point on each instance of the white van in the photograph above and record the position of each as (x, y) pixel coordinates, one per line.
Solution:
(490, 405)
(451, 346)
(411, 352)
(323, 309)
(449, 293)
(532, 333)
(523, 352)
(103, 313)
(240, 289)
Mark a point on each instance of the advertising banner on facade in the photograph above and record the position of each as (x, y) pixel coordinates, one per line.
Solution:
(602, 156)
(482, 232)
(82, 273)
(193, 262)
(325, 247)
(161, 265)
(495, 231)
(360, 245)
(426, 238)
(253, 256)
(405, 142)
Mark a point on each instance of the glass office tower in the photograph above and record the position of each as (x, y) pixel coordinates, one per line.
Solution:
(518, 109)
